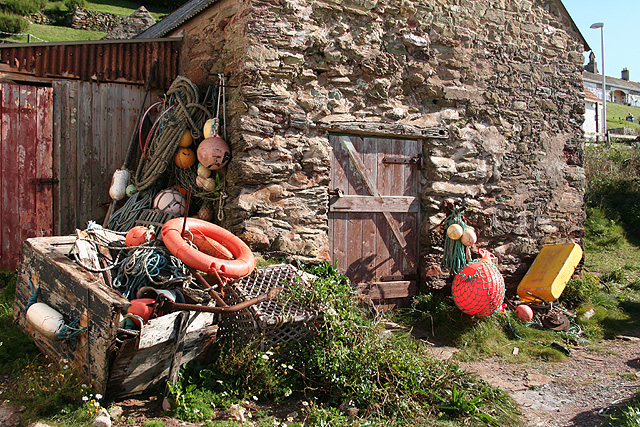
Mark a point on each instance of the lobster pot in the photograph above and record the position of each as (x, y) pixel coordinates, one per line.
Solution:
(117, 362)
(272, 322)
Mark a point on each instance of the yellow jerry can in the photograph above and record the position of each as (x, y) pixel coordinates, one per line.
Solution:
(550, 272)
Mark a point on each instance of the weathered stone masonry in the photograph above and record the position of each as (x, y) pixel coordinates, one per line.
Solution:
(502, 76)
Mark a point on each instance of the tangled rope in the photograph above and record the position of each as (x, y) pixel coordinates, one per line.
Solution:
(151, 264)
(183, 101)
(124, 218)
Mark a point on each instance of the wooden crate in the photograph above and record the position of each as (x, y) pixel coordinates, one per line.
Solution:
(116, 362)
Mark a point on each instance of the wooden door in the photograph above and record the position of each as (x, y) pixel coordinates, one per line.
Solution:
(26, 168)
(374, 213)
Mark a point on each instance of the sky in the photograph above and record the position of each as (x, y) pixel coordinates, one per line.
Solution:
(621, 33)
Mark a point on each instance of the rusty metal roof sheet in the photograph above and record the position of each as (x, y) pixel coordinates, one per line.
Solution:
(126, 61)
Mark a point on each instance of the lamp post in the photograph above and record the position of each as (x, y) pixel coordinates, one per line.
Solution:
(604, 86)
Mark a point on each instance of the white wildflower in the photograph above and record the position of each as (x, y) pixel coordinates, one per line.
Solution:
(255, 398)
(287, 393)
(265, 357)
(85, 398)
(98, 396)
(305, 403)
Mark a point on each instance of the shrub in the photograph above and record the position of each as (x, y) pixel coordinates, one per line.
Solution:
(24, 7)
(12, 24)
(73, 4)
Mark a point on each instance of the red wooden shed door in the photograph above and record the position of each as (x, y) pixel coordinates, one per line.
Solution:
(26, 168)
(374, 213)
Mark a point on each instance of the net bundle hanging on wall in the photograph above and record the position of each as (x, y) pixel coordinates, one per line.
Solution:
(455, 256)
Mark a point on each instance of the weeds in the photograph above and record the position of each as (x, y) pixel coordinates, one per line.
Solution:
(348, 367)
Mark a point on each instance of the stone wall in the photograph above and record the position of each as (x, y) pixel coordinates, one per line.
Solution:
(503, 76)
(83, 19)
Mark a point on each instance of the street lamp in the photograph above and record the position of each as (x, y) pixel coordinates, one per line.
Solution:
(604, 87)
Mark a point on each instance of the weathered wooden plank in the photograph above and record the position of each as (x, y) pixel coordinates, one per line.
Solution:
(44, 161)
(376, 204)
(339, 221)
(369, 227)
(11, 174)
(354, 220)
(65, 100)
(86, 156)
(384, 220)
(388, 290)
(390, 130)
(26, 191)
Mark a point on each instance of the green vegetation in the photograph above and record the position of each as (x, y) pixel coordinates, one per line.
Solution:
(348, 362)
(617, 114)
(52, 33)
(12, 21)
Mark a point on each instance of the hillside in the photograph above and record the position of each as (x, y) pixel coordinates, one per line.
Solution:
(617, 113)
(59, 30)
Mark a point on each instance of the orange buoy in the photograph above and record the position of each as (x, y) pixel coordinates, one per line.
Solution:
(524, 313)
(138, 235)
(184, 158)
(214, 153)
(242, 264)
(186, 139)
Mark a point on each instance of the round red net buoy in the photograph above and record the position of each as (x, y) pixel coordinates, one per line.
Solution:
(478, 289)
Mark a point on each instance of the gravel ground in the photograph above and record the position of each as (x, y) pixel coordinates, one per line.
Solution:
(571, 393)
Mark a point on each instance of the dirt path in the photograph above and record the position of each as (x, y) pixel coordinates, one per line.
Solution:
(570, 393)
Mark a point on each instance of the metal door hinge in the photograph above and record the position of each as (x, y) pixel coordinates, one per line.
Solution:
(403, 160)
(40, 182)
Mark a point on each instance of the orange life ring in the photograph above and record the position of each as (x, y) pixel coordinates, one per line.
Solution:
(242, 264)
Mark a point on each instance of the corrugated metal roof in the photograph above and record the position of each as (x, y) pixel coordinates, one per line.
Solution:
(177, 18)
(127, 61)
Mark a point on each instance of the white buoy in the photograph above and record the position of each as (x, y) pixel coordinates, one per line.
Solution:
(454, 231)
(45, 320)
(119, 183)
(469, 237)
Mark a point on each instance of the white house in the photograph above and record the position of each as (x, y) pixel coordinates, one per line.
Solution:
(620, 91)
(592, 113)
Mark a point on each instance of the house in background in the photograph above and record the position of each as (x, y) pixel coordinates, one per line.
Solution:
(592, 112)
(619, 90)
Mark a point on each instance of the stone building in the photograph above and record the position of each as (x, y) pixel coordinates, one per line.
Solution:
(351, 121)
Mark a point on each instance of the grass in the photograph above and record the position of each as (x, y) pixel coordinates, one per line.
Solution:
(53, 33)
(617, 113)
(126, 8)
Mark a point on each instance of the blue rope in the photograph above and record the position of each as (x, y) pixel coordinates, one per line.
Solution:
(70, 332)
(34, 296)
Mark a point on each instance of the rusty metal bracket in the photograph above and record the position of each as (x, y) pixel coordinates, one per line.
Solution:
(403, 160)
(40, 182)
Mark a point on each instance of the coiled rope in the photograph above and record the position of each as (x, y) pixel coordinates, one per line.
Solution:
(154, 264)
(166, 133)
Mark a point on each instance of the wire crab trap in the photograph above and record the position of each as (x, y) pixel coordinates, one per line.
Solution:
(272, 322)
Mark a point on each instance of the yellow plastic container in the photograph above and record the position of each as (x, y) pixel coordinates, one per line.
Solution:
(550, 272)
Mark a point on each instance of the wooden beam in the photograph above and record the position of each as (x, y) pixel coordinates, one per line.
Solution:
(393, 130)
(388, 290)
(375, 204)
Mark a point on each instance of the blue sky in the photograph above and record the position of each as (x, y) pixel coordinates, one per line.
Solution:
(621, 32)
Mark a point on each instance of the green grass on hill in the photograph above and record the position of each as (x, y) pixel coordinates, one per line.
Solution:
(125, 8)
(617, 113)
(53, 33)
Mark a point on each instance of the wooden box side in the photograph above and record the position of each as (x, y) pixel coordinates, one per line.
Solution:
(75, 293)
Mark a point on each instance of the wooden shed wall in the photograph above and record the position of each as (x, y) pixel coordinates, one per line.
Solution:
(93, 124)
